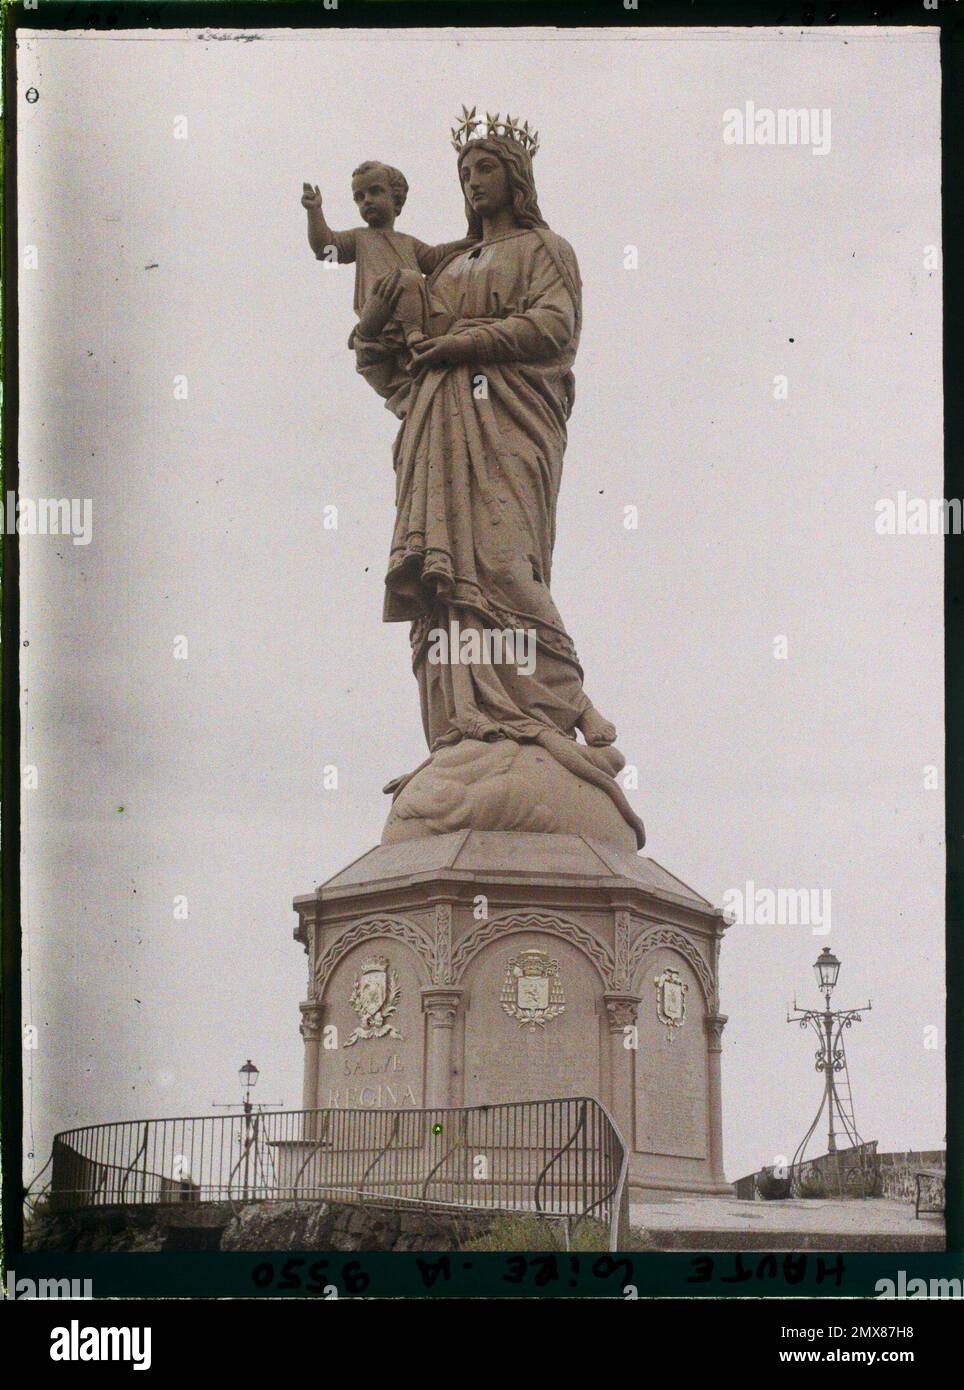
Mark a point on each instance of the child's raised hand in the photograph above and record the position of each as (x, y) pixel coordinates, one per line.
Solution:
(310, 197)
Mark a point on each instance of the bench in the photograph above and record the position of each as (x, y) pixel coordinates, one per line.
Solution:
(930, 1188)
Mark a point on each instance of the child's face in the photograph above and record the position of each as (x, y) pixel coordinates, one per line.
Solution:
(373, 198)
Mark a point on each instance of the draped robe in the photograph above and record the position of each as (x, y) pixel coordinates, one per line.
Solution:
(478, 463)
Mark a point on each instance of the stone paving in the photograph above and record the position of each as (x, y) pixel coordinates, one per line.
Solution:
(724, 1223)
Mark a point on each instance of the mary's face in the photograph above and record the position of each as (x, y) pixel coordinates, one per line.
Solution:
(485, 182)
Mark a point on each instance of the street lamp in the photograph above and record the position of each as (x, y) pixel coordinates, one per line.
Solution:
(248, 1076)
(249, 1138)
(826, 968)
(831, 1056)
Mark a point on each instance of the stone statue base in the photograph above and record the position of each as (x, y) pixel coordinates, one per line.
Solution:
(475, 967)
(506, 786)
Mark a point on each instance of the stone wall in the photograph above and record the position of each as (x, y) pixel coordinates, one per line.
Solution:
(851, 1172)
(259, 1226)
(897, 1171)
(670, 1072)
(560, 1059)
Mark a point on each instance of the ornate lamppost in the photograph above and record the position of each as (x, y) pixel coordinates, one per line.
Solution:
(831, 1058)
(248, 1077)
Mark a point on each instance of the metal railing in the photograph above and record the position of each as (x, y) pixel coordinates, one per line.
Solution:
(558, 1158)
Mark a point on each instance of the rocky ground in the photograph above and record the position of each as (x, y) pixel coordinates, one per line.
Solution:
(258, 1226)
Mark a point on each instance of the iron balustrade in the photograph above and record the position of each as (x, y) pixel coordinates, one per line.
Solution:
(558, 1158)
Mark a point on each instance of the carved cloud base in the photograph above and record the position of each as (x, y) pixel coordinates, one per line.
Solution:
(504, 786)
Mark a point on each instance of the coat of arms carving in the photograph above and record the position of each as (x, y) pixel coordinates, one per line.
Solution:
(532, 991)
(671, 999)
(374, 998)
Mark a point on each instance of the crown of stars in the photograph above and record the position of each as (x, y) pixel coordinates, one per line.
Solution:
(472, 127)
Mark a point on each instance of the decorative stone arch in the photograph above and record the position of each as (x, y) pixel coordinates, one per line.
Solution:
(675, 941)
(583, 940)
(397, 928)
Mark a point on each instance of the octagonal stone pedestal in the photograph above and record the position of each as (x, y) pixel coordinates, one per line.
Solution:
(486, 966)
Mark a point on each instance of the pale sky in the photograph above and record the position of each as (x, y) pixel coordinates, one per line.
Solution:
(756, 520)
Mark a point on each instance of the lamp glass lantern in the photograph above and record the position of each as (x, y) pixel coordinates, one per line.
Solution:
(826, 968)
(248, 1076)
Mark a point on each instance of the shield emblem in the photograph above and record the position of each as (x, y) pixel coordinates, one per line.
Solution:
(374, 998)
(532, 992)
(673, 999)
(372, 991)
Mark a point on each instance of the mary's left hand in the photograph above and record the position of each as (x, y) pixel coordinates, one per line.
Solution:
(446, 351)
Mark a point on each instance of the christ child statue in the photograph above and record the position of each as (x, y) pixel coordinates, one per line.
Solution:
(397, 320)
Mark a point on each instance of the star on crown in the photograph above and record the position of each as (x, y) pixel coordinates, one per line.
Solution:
(509, 129)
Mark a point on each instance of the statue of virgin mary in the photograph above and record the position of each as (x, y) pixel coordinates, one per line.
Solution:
(484, 391)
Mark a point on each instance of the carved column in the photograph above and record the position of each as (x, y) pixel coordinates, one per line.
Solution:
(713, 1025)
(622, 1009)
(311, 1024)
(442, 964)
(441, 1004)
(622, 938)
